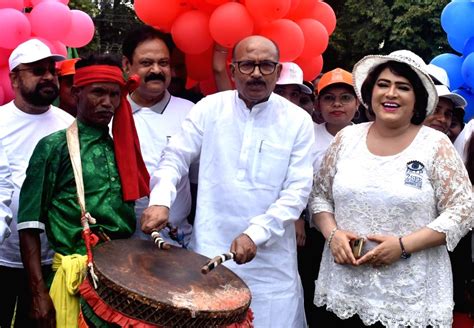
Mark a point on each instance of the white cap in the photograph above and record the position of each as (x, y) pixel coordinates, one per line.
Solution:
(31, 51)
(443, 92)
(438, 74)
(291, 73)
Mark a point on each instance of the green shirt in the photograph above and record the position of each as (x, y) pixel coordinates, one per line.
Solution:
(48, 197)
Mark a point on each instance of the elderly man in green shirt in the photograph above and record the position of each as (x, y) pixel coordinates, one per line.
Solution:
(113, 175)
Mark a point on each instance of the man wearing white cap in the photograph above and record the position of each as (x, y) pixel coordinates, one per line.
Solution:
(441, 118)
(23, 122)
(290, 83)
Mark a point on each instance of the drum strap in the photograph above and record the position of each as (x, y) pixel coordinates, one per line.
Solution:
(73, 145)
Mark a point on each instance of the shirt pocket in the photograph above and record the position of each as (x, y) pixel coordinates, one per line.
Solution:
(270, 163)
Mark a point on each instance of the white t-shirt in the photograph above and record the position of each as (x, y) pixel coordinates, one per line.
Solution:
(155, 126)
(425, 185)
(19, 134)
(323, 139)
(6, 191)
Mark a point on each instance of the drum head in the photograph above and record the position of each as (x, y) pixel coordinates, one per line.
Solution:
(166, 287)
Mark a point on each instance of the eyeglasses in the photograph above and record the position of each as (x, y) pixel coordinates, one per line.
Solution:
(247, 67)
(330, 99)
(39, 70)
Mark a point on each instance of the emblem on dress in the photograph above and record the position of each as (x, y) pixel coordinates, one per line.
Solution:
(414, 174)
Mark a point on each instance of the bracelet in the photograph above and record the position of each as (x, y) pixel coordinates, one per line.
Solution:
(404, 255)
(331, 236)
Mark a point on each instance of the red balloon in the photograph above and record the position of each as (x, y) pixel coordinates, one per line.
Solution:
(203, 6)
(302, 10)
(4, 55)
(58, 48)
(50, 20)
(160, 13)
(288, 36)
(315, 35)
(2, 97)
(230, 23)
(208, 86)
(5, 84)
(325, 15)
(199, 67)
(15, 4)
(15, 28)
(311, 66)
(190, 32)
(217, 2)
(35, 2)
(272, 9)
(82, 30)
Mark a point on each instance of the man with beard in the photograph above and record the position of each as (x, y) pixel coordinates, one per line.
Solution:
(23, 122)
(255, 175)
(113, 176)
(158, 116)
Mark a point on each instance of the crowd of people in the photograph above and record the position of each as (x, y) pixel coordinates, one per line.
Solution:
(346, 201)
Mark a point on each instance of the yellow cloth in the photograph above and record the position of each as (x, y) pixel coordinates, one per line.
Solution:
(70, 272)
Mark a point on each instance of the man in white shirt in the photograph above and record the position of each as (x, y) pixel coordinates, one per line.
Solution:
(158, 116)
(23, 122)
(255, 175)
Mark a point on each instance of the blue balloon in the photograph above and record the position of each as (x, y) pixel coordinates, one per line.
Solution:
(467, 70)
(468, 47)
(456, 43)
(457, 19)
(469, 109)
(452, 64)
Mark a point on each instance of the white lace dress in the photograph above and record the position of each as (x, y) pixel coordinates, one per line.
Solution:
(424, 185)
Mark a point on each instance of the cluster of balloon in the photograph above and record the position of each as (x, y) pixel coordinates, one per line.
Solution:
(301, 28)
(457, 21)
(50, 21)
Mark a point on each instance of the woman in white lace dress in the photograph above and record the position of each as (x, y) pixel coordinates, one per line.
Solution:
(403, 188)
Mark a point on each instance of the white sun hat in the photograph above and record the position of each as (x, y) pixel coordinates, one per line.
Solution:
(458, 100)
(31, 51)
(438, 74)
(364, 66)
(291, 73)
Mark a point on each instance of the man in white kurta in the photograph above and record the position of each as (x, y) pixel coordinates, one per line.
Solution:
(256, 153)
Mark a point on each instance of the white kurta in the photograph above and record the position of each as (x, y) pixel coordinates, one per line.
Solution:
(6, 191)
(19, 134)
(255, 175)
(425, 185)
(155, 126)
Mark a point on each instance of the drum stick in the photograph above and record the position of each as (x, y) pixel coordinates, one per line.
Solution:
(159, 241)
(211, 264)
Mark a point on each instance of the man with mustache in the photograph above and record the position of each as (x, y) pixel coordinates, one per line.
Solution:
(255, 175)
(23, 122)
(113, 175)
(158, 116)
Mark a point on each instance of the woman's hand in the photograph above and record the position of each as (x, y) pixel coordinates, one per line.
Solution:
(386, 252)
(341, 248)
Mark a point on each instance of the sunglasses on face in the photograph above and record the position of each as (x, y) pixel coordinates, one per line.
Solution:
(39, 70)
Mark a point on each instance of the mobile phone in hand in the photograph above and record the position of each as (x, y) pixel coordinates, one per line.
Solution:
(357, 246)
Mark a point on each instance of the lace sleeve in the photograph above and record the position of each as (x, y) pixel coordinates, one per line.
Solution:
(453, 192)
(320, 199)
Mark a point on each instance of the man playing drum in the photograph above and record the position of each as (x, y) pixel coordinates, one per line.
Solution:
(113, 176)
(255, 175)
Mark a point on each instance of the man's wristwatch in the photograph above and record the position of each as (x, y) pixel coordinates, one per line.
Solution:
(404, 255)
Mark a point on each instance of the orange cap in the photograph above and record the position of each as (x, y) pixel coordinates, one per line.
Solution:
(66, 67)
(337, 75)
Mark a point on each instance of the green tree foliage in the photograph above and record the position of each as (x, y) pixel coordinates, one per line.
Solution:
(381, 26)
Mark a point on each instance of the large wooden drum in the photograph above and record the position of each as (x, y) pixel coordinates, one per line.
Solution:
(166, 287)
